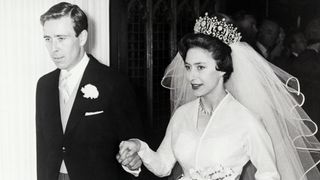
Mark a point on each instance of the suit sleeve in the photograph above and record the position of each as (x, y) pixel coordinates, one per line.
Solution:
(41, 150)
(127, 112)
(129, 124)
(162, 161)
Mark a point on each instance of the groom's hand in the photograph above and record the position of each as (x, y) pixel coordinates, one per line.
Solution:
(128, 154)
(133, 162)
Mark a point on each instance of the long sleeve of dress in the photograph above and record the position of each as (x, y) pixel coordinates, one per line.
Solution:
(162, 161)
(261, 152)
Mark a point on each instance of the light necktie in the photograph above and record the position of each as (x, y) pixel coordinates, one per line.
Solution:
(65, 91)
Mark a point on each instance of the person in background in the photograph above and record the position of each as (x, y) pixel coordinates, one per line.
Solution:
(294, 43)
(247, 25)
(267, 38)
(84, 109)
(307, 69)
(278, 49)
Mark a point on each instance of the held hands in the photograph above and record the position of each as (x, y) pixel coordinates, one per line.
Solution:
(128, 154)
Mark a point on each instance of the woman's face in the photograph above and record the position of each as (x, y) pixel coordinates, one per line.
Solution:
(201, 71)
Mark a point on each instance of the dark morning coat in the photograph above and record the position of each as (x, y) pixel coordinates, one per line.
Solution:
(90, 143)
(307, 69)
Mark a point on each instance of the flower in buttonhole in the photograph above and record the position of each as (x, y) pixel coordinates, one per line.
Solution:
(90, 91)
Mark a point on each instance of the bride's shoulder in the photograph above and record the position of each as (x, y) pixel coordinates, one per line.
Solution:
(187, 107)
(184, 113)
(241, 112)
(185, 110)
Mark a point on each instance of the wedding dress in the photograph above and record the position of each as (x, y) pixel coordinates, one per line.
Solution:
(232, 137)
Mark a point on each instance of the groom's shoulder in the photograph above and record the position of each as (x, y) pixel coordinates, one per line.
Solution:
(49, 76)
(47, 81)
(100, 67)
(107, 72)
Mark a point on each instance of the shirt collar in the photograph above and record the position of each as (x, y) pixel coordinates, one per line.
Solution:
(75, 74)
(313, 48)
(263, 49)
(295, 54)
(78, 68)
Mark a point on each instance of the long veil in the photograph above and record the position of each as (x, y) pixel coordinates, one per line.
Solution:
(273, 95)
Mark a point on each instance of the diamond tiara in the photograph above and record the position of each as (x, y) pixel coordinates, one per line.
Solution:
(216, 28)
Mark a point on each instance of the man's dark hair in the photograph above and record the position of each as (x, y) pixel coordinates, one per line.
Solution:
(64, 9)
(312, 31)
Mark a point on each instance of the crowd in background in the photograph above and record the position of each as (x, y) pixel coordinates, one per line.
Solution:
(295, 50)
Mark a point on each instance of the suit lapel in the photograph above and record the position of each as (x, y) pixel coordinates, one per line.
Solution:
(53, 110)
(80, 104)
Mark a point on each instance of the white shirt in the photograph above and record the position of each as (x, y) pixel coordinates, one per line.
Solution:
(75, 73)
(263, 49)
(75, 76)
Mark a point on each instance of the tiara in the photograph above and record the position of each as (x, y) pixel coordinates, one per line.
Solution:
(216, 28)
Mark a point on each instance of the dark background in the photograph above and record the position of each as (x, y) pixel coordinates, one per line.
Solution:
(285, 12)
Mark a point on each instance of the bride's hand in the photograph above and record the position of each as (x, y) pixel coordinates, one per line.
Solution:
(128, 154)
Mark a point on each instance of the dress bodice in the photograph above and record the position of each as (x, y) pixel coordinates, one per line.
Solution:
(232, 137)
(223, 141)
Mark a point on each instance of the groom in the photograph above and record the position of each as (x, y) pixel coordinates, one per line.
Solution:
(83, 108)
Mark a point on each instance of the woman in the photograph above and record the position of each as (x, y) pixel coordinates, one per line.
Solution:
(225, 119)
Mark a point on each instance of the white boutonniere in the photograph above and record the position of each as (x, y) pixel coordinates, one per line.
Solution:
(90, 91)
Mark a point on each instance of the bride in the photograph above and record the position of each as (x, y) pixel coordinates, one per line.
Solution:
(230, 108)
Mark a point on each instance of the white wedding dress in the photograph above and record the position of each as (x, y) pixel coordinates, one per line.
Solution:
(232, 137)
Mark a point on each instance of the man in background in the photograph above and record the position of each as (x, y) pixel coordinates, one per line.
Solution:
(247, 25)
(295, 43)
(267, 38)
(307, 69)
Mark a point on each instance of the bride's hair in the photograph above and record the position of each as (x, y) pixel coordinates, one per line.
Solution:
(219, 51)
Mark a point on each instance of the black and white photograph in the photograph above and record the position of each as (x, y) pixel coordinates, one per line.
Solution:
(160, 90)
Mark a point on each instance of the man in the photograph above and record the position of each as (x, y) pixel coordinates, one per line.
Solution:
(247, 25)
(295, 43)
(307, 69)
(83, 108)
(267, 36)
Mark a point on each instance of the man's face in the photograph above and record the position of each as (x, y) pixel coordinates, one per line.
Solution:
(299, 44)
(250, 25)
(64, 47)
(269, 34)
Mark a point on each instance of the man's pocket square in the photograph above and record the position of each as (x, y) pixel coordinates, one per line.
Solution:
(93, 113)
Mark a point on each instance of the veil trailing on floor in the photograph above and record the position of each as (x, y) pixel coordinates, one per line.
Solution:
(271, 94)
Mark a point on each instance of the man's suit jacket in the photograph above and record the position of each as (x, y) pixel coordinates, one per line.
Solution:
(90, 143)
(307, 69)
